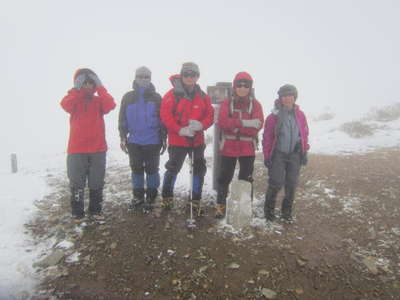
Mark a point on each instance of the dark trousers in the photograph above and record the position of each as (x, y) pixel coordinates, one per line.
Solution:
(90, 167)
(174, 164)
(144, 158)
(177, 156)
(284, 171)
(227, 169)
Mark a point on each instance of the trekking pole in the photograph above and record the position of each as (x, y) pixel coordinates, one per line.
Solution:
(251, 195)
(191, 221)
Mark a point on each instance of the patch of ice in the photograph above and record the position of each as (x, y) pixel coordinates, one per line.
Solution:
(74, 257)
(65, 244)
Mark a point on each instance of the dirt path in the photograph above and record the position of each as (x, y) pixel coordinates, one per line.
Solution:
(345, 243)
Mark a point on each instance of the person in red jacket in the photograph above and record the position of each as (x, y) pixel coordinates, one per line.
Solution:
(186, 112)
(86, 159)
(240, 119)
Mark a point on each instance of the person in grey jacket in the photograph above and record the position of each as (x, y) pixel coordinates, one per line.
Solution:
(285, 146)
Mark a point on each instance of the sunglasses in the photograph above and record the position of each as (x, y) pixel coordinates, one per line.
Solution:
(143, 77)
(242, 85)
(190, 74)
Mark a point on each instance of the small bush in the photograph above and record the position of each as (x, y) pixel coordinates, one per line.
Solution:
(386, 114)
(357, 129)
(325, 117)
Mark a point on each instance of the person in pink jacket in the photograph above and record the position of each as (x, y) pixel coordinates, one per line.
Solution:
(240, 119)
(285, 146)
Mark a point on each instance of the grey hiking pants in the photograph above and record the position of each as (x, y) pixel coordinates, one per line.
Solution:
(86, 166)
(285, 169)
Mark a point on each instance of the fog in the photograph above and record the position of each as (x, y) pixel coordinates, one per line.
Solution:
(340, 54)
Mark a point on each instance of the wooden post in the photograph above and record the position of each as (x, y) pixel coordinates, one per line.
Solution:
(14, 165)
(218, 94)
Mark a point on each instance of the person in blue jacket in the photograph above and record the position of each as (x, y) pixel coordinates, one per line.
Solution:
(143, 137)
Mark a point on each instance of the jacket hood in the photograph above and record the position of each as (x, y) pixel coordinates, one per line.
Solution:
(242, 76)
(151, 87)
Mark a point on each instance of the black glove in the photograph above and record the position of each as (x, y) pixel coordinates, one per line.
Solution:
(123, 145)
(163, 146)
(267, 163)
(304, 158)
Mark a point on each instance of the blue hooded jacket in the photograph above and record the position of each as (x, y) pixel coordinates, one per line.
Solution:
(139, 116)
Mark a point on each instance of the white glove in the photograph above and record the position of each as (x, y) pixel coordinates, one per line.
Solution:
(254, 123)
(186, 131)
(79, 80)
(95, 78)
(195, 125)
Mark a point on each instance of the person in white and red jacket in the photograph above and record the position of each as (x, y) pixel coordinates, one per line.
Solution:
(240, 119)
(186, 112)
(87, 102)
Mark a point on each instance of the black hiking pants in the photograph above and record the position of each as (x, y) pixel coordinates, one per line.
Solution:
(227, 169)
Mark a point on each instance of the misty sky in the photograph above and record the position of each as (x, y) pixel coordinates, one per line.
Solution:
(342, 54)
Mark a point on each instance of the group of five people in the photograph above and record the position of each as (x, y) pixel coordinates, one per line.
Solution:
(147, 121)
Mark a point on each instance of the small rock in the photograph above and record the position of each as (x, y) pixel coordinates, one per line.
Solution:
(175, 282)
(263, 272)
(50, 260)
(113, 246)
(203, 269)
(301, 262)
(269, 294)
(370, 263)
(233, 266)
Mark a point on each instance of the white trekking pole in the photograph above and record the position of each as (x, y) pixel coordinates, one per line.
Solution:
(191, 221)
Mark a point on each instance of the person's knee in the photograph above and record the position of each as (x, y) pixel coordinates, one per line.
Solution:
(274, 184)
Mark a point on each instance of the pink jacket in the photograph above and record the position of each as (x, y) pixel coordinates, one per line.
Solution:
(270, 136)
(231, 126)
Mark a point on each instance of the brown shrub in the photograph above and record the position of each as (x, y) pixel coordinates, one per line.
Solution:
(358, 129)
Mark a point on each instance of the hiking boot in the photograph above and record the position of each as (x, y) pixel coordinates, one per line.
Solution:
(270, 216)
(78, 219)
(220, 211)
(135, 203)
(167, 202)
(287, 219)
(98, 217)
(197, 208)
(147, 206)
(269, 205)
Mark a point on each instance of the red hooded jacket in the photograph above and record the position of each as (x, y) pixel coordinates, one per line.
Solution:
(231, 125)
(176, 113)
(236, 139)
(87, 130)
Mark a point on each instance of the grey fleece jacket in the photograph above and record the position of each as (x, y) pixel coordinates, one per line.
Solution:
(288, 131)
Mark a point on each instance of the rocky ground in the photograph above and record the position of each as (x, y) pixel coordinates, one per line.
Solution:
(345, 243)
